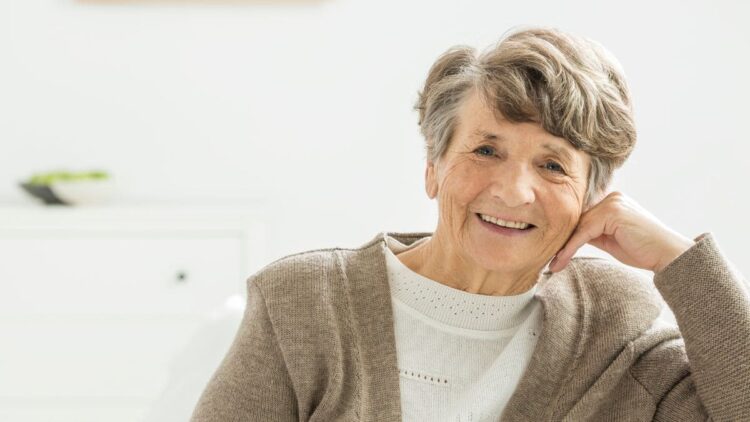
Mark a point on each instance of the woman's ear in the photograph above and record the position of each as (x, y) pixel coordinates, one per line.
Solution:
(430, 180)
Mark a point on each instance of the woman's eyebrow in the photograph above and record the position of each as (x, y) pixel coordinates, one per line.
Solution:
(563, 153)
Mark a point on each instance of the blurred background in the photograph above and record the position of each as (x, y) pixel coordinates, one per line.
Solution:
(232, 133)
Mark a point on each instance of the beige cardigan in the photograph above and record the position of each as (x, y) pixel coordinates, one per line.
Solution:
(317, 343)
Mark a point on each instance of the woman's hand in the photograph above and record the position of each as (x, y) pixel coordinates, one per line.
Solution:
(619, 226)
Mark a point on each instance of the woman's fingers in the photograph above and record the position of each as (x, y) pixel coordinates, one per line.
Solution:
(621, 227)
(582, 235)
(590, 227)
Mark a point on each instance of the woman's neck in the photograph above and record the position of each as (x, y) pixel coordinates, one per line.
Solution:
(436, 262)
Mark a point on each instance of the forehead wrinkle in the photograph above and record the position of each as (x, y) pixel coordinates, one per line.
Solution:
(487, 136)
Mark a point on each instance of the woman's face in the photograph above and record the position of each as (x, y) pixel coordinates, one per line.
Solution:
(513, 171)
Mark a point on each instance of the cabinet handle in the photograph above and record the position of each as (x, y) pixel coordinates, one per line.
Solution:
(182, 276)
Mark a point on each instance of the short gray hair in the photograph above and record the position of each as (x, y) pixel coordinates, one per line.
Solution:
(571, 85)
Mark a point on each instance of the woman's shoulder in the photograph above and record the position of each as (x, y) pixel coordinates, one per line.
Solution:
(315, 267)
(294, 270)
(332, 262)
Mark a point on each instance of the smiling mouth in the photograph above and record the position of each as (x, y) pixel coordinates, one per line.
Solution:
(529, 227)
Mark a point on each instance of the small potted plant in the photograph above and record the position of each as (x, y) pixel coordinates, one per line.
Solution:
(70, 188)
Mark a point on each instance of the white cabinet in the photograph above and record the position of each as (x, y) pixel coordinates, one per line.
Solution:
(96, 302)
(165, 275)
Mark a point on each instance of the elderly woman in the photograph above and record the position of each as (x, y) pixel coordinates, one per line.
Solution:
(491, 317)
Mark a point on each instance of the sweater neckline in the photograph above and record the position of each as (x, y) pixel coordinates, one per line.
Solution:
(565, 316)
(449, 306)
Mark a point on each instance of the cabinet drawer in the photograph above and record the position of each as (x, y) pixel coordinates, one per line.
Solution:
(114, 361)
(118, 274)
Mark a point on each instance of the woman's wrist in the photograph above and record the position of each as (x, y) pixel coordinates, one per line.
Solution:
(676, 248)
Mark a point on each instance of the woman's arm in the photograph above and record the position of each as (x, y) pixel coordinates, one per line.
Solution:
(711, 304)
(252, 382)
(708, 297)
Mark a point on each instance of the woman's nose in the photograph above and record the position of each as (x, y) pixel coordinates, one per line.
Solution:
(514, 187)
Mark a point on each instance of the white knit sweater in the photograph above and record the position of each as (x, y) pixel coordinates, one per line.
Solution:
(460, 355)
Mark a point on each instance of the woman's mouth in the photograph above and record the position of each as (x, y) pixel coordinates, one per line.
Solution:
(507, 228)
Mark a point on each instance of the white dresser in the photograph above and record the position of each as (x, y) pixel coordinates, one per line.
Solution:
(96, 302)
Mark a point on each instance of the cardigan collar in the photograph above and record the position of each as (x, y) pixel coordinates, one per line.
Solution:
(541, 387)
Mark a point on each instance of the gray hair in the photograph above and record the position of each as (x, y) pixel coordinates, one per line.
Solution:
(571, 85)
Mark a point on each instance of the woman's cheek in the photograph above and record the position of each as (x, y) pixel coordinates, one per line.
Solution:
(564, 230)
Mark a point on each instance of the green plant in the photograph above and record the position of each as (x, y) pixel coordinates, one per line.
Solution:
(47, 178)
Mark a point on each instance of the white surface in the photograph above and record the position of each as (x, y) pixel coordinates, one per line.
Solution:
(94, 314)
(87, 360)
(193, 366)
(310, 102)
(126, 273)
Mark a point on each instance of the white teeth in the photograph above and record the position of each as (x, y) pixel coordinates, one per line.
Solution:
(503, 223)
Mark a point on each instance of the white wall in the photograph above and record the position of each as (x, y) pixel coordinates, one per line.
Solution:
(309, 103)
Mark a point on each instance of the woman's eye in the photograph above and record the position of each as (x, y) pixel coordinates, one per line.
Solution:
(553, 166)
(488, 151)
(485, 151)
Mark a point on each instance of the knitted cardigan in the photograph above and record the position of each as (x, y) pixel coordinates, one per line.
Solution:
(317, 343)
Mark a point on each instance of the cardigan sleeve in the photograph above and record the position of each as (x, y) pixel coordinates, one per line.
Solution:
(252, 382)
(705, 374)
